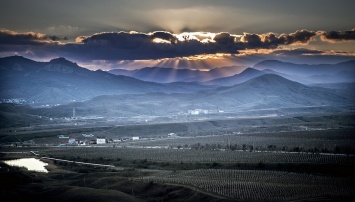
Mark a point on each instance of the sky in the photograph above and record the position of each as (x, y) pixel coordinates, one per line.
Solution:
(196, 34)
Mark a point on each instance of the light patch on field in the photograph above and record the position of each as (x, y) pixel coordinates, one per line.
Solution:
(31, 164)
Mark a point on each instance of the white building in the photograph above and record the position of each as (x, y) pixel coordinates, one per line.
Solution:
(72, 141)
(197, 111)
(193, 112)
(171, 134)
(135, 138)
(100, 140)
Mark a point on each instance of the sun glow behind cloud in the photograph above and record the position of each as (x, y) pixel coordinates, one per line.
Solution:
(218, 56)
(201, 62)
(159, 40)
(194, 50)
(199, 36)
(203, 37)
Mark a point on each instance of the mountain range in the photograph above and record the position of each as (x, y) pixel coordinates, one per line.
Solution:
(228, 76)
(266, 92)
(104, 94)
(244, 76)
(273, 91)
(306, 70)
(62, 81)
(168, 75)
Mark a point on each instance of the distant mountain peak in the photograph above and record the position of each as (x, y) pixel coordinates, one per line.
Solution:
(249, 70)
(62, 61)
(16, 58)
(270, 62)
(266, 61)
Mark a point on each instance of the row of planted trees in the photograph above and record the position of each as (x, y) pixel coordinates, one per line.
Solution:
(252, 148)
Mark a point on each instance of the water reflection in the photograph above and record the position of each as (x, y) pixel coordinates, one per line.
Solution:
(31, 164)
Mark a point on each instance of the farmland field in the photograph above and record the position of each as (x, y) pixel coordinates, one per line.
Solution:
(260, 185)
(202, 161)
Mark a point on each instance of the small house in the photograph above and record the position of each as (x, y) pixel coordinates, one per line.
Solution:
(100, 140)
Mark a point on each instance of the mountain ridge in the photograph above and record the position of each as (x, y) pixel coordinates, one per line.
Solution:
(169, 75)
(267, 91)
(305, 69)
(40, 82)
(245, 75)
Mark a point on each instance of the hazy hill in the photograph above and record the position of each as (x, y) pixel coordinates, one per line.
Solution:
(302, 73)
(305, 70)
(295, 78)
(247, 74)
(217, 73)
(60, 81)
(167, 75)
(263, 92)
(122, 72)
(344, 89)
(339, 77)
(227, 76)
(272, 91)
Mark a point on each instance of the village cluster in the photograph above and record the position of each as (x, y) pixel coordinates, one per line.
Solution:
(89, 139)
(203, 111)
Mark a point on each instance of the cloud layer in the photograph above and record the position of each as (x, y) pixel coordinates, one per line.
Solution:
(8, 37)
(155, 45)
(335, 36)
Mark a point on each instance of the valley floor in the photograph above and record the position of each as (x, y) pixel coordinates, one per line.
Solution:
(220, 163)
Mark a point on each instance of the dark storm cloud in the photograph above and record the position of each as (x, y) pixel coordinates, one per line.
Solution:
(224, 38)
(226, 41)
(338, 35)
(133, 46)
(30, 38)
(270, 40)
(56, 38)
(252, 40)
(144, 46)
(300, 36)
